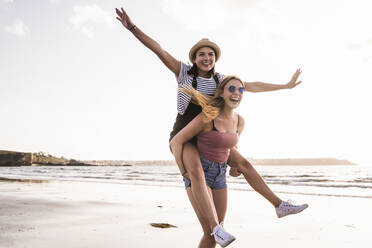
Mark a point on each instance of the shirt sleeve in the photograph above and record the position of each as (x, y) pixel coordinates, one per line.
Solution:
(182, 77)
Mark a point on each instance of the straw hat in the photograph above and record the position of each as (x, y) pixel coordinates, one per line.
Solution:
(205, 43)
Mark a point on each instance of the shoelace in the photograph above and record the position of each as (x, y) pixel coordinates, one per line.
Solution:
(215, 232)
(289, 203)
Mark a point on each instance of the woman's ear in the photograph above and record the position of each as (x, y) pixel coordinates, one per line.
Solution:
(221, 92)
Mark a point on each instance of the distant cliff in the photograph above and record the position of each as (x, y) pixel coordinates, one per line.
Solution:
(12, 158)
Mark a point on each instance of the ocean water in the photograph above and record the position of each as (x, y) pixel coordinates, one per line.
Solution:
(337, 181)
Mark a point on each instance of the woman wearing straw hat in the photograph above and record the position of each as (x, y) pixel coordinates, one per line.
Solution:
(202, 76)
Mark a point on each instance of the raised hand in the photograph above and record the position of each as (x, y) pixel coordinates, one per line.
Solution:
(293, 82)
(124, 18)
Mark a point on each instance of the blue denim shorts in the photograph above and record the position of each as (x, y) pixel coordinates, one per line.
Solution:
(214, 172)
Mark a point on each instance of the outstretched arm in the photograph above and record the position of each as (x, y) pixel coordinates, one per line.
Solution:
(262, 87)
(169, 61)
(192, 129)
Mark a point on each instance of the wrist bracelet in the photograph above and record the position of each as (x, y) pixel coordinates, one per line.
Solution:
(133, 28)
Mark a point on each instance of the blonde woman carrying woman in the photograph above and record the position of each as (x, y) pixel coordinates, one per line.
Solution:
(217, 130)
(202, 76)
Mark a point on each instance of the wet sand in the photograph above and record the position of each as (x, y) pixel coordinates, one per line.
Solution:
(82, 214)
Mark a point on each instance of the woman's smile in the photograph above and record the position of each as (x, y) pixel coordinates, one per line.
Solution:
(235, 99)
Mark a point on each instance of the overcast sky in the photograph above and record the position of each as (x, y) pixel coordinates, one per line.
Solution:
(75, 83)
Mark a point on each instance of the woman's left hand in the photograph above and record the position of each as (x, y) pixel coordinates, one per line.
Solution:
(293, 82)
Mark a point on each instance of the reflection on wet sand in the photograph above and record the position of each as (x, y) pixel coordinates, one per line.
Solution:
(23, 180)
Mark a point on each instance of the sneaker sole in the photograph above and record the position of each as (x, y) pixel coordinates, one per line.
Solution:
(228, 243)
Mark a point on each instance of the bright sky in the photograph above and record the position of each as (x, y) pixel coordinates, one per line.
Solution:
(75, 83)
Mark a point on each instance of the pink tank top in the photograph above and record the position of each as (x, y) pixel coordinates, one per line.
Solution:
(215, 146)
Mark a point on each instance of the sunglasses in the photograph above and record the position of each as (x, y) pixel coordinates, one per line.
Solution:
(232, 89)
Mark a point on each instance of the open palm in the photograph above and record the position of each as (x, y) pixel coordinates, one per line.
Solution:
(124, 18)
(293, 82)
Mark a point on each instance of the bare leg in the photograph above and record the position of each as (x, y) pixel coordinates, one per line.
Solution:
(199, 189)
(220, 202)
(207, 241)
(252, 177)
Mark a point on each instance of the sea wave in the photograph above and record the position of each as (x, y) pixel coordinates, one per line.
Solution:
(343, 181)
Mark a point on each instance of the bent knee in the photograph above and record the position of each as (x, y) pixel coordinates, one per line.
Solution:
(191, 161)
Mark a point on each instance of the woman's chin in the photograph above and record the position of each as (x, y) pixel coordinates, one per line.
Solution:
(205, 69)
(233, 105)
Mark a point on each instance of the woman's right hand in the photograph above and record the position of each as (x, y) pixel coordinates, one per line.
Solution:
(234, 172)
(124, 18)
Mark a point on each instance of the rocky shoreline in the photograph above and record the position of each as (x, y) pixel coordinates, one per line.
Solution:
(13, 158)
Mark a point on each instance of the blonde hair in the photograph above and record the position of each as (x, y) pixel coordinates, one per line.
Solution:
(211, 105)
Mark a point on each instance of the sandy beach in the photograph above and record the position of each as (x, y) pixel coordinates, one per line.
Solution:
(83, 214)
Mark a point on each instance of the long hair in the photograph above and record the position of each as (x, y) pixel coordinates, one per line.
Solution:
(211, 105)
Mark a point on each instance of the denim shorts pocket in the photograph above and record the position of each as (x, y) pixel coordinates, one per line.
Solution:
(205, 166)
(222, 170)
